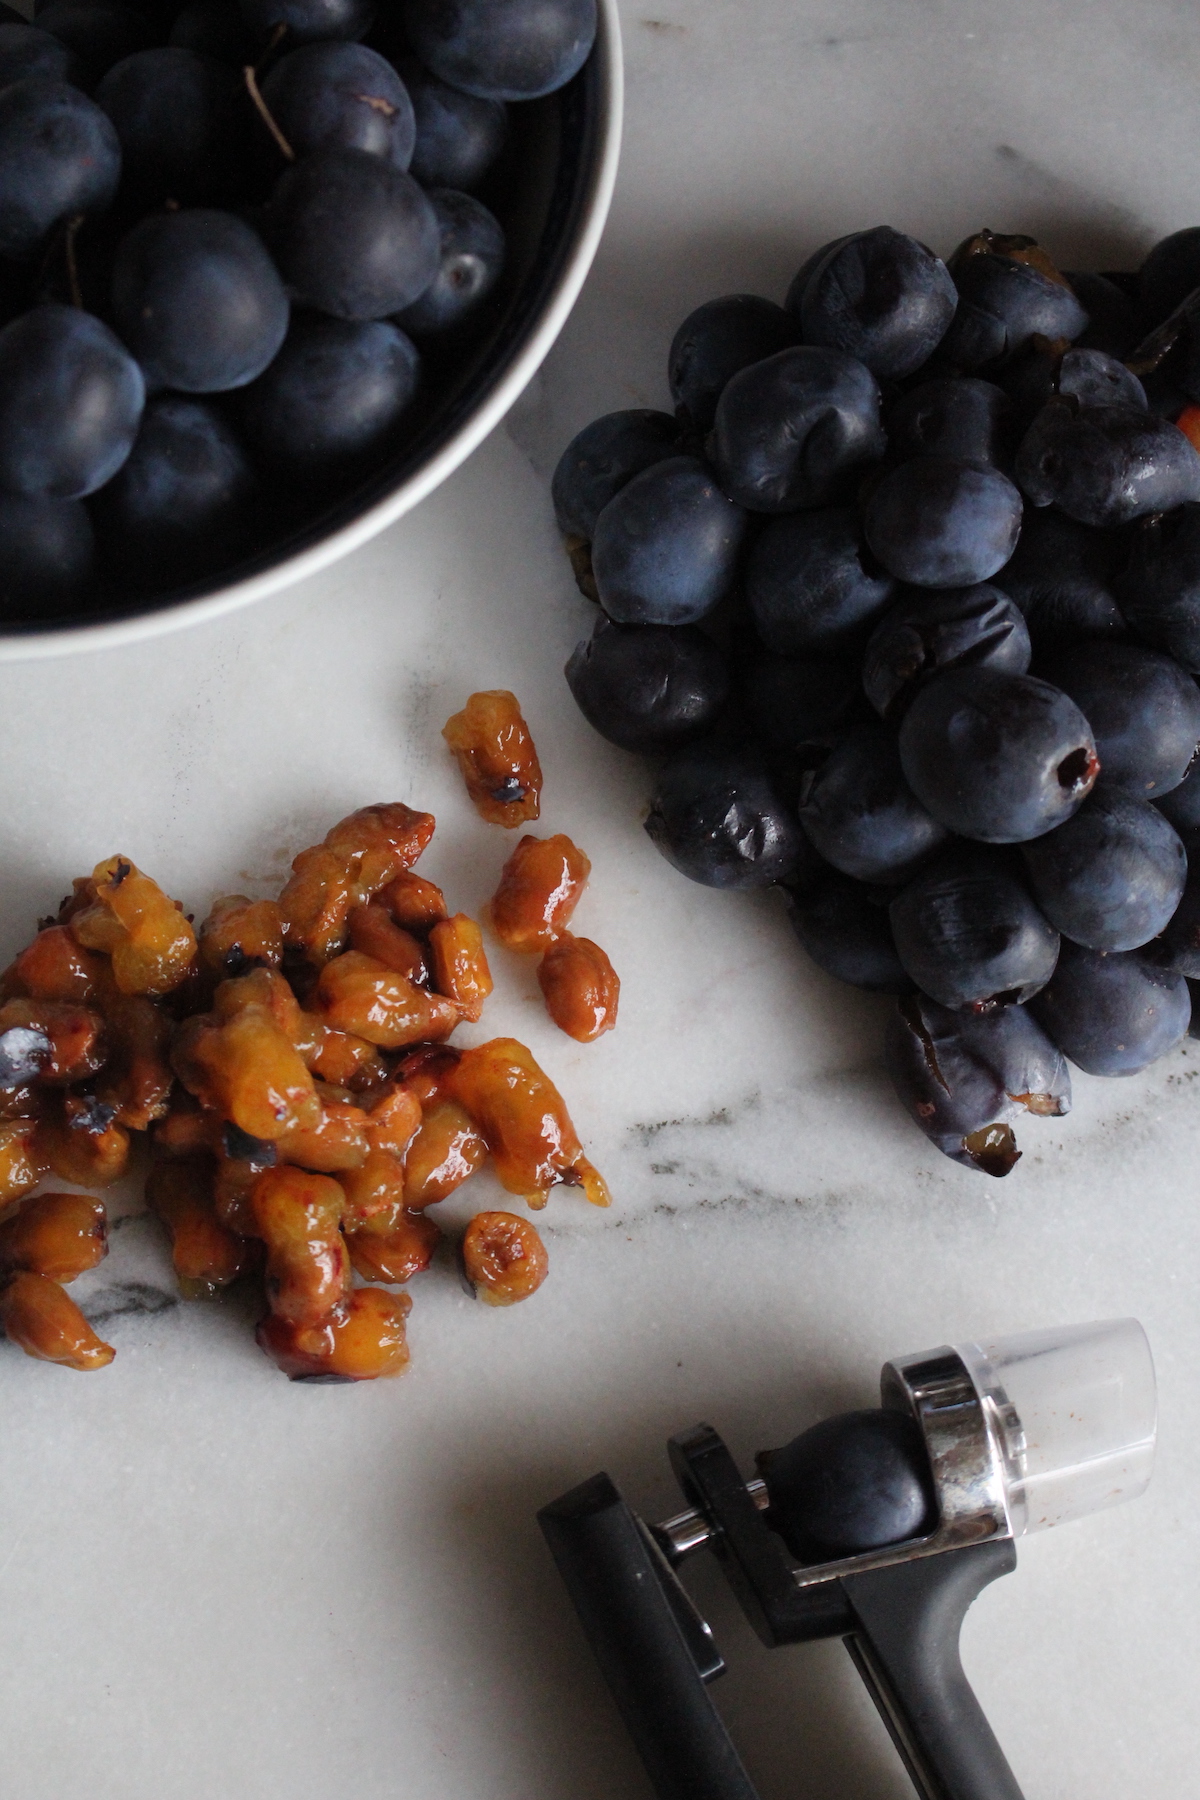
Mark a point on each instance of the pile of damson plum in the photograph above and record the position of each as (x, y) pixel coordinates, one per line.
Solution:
(906, 596)
(231, 234)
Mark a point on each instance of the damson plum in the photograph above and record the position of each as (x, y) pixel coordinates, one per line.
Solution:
(1169, 274)
(800, 704)
(214, 28)
(470, 263)
(719, 819)
(1005, 299)
(1159, 590)
(99, 32)
(997, 757)
(180, 506)
(339, 93)
(1062, 576)
(797, 429)
(1113, 1013)
(47, 556)
(198, 300)
(602, 458)
(70, 401)
(502, 49)
(1144, 711)
(881, 297)
(352, 235)
(1177, 946)
(968, 932)
(851, 1483)
(715, 342)
(1112, 315)
(173, 111)
(648, 687)
(1089, 377)
(458, 136)
(1111, 877)
(1182, 805)
(967, 419)
(333, 394)
(1106, 465)
(948, 628)
(812, 585)
(26, 50)
(307, 20)
(59, 155)
(666, 546)
(936, 522)
(844, 927)
(861, 814)
(964, 1077)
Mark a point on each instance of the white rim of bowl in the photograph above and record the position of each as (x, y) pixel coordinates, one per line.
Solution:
(113, 635)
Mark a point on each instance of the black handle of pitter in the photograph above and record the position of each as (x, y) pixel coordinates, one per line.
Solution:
(653, 1648)
(908, 1619)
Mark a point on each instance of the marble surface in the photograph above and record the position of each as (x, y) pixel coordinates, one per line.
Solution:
(212, 1582)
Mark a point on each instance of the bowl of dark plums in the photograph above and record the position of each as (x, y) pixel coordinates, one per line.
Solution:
(902, 600)
(269, 270)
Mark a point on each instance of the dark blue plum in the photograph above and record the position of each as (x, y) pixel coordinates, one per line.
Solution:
(861, 814)
(1089, 377)
(214, 28)
(308, 21)
(71, 399)
(648, 687)
(1003, 303)
(471, 262)
(1112, 314)
(502, 49)
(1159, 590)
(181, 505)
(602, 458)
(969, 932)
(1062, 576)
(1144, 711)
(59, 156)
(198, 300)
(1001, 758)
(879, 296)
(459, 136)
(96, 32)
(1113, 1012)
(1106, 465)
(666, 546)
(797, 430)
(715, 342)
(812, 585)
(1182, 806)
(800, 704)
(27, 50)
(332, 395)
(173, 111)
(960, 417)
(1111, 877)
(851, 1484)
(1169, 274)
(339, 93)
(1178, 944)
(946, 628)
(938, 523)
(964, 1077)
(844, 927)
(718, 817)
(352, 235)
(47, 557)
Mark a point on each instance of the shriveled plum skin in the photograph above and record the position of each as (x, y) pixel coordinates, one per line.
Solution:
(960, 417)
(946, 628)
(882, 297)
(812, 584)
(1143, 709)
(939, 523)
(844, 927)
(1159, 591)
(603, 458)
(969, 934)
(1106, 465)
(1062, 575)
(666, 546)
(958, 1074)
(797, 430)
(717, 341)
(719, 819)
(1001, 758)
(861, 814)
(1111, 877)
(1113, 1013)
(648, 687)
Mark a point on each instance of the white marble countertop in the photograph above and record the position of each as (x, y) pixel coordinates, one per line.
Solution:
(215, 1583)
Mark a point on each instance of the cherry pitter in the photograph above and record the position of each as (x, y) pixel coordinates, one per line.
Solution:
(879, 1527)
